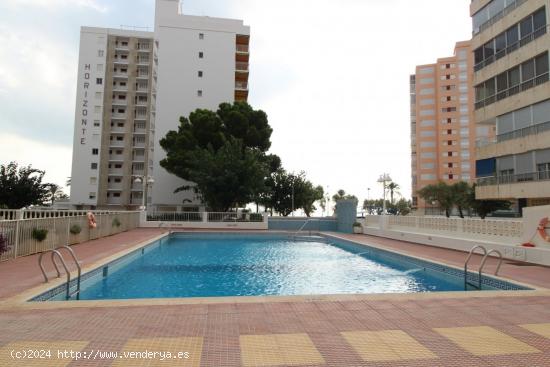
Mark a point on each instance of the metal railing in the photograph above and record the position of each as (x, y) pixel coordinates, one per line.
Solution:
(526, 131)
(498, 16)
(516, 178)
(209, 217)
(511, 48)
(528, 84)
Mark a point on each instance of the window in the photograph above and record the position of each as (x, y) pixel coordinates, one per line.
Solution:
(449, 154)
(100, 68)
(526, 27)
(201, 55)
(426, 81)
(200, 73)
(96, 123)
(527, 70)
(97, 109)
(539, 19)
(427, 133)
(95, 151)
(116, 194)
(427, 177)
(199, 93)
(99, 81)
(541, 64)
(91, 196)
(93, 180)
(427, 144)
(201, 36)
(100, 53)
(93, 166)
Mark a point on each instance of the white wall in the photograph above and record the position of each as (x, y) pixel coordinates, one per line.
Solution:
(86, 136)
(178, 82)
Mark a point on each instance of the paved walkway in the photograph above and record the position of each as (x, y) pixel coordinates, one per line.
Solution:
(423, 330)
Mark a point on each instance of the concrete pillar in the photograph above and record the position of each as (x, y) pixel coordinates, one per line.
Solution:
(346, 215)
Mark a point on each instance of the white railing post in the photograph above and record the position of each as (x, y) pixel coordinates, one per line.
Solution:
(18, 218)
(204, 217)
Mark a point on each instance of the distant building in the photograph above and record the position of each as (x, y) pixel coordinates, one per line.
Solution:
(512, 95)
(443, 132)
(132, 89)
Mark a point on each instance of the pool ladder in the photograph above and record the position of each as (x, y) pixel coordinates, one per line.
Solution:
(480, 270)
(57, 252)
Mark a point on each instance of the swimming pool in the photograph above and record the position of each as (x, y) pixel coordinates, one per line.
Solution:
(215, 265)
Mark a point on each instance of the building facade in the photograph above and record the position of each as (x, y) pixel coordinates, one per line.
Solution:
(114, 117)
(443, 132)
(132, 89)
(512, 95)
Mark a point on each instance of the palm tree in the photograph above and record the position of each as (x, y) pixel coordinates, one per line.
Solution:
(393, 187)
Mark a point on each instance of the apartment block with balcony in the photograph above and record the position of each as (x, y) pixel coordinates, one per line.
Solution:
(114, 99)
(442, 129)
(512, 97)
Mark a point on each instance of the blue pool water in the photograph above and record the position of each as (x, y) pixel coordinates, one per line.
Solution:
(244, 265)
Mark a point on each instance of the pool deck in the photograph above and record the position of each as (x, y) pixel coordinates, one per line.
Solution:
(430, 329)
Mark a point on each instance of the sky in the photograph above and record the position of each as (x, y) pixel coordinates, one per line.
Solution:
(333, 77)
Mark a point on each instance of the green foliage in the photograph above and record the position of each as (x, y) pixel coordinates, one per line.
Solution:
(341, 195)
(440, 193)
(21, 186)
(279, 188)
(55, 193)
(375, 206)
(4, 244)
(357, 224)
(485, 207)
(75, 229)
(393, 187)
(461, 195)
(223, 154)
(116, 222)
(39, 234)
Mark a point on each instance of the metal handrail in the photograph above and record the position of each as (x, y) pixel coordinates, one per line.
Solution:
(79, 269)
(302, 227)
(55, 252)
(472, 251)
(485, 259)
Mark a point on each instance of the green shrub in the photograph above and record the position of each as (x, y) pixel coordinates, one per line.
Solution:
(39, 234)
(116, 222)
(357, 224)
(75, 229)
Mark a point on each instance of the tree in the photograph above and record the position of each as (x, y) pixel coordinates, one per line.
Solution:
(484, 207)
(341, 195)
(393, 187)
(402, 207)
(21, 187)
(55, 193)
(222, 153)
(441, 193)
(461, 196)
(283, 186)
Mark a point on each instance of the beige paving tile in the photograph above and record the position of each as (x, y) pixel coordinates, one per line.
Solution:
(279, 349)
(177, 347)
(541, 329)
(44, 354)
(485, 341)
(386, 345)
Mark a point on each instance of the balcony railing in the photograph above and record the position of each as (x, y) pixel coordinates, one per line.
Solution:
(116, 143)
(528, 84)
(517, 178)
(242, 66)
(510, 8)
(530, 130)
(511, 48)
(242, 48)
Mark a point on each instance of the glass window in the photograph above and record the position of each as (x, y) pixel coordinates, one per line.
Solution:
(512, 35)
(526, 26)
(539, 18)
(527, 70)
(489, 49)
(500, 42)
(502, 82)
(541, 63)
(513, 76)
(478, 55)
(490, 87)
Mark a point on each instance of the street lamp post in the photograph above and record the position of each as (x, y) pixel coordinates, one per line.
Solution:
(383, 179)
(146, 181)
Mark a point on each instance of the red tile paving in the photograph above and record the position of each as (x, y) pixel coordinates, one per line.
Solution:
(322, 322)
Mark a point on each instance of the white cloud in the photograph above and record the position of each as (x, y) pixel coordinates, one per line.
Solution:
(55, 4)
(54, 159)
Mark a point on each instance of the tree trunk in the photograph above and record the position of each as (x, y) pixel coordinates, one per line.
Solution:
(447, 213)
(460, 212)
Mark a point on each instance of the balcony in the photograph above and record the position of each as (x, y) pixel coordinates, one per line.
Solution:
(524, 185)
(119, 116)
(119, 61)
(531, 138)
(144, 47)
(143, 61)
(136, 201)
(120, 102)
(243, 48)
(142, 103)
(139, 144)
(120, 75)
(114, 200)
(115, 172)
(241, 66)
(116, 158)
(241, 85)
(119, 88)
(114, 186)
(116, 143)
(137, 186)
(118, 129)
(142, 75)
(138, 172)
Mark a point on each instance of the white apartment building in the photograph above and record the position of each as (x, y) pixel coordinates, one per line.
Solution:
(132, 89)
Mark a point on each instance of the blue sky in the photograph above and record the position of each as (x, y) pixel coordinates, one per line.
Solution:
(332, 76)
